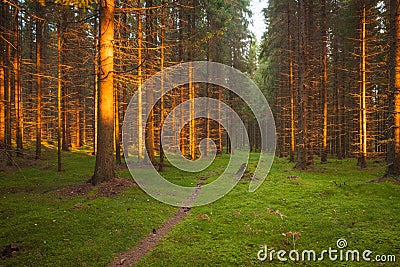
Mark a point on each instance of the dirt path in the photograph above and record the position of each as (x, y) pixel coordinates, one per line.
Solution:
(131, 257)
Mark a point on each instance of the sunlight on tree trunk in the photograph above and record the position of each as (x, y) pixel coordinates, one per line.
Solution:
(39, 31)
(95, 86)
(363, 88)
(17, 84)
(59, 95)
(292, 93)
(140, 81)
(104, 168)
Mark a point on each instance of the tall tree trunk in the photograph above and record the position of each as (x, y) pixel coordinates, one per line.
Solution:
(192, 122)
(337, 91)
(393, 156)
(59, 95)
(95, 86)
(8, 102)
(219, 126)
(84, 117)
(140, 81)
(117, 128)
(28, 82)
(302, 148)
(192, 133)
(119, 84)
(78, 121)
(208, 94)
(182, 135)
(291, 90)
(17, 84)
(39, 33)
(279, 117)
(3, 99)
(65, 118)
(104, 168)
(324, 152)
(228, 140)
(311, 79)
(149, 135)
(162, 99)
(362, 162)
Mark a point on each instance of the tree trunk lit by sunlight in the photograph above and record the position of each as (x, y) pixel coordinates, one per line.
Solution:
(362, 161)
(59, 95)
(104, 169)
(140, 81)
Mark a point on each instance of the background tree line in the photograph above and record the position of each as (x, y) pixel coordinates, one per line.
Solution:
(331, 72)
(330, 68)
(62, 83)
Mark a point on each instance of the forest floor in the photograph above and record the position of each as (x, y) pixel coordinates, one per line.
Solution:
(50, 218)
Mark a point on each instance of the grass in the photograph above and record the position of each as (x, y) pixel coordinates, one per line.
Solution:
(55, 230)
(366, 215)
(324, 204)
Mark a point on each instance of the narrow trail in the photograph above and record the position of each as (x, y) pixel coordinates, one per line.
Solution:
(131, 257)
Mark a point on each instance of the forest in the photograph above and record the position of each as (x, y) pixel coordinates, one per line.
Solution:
(70, 69)
(331, 69)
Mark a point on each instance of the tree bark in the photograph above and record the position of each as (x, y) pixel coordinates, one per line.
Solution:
(182, 136)
(39, 33)
(78, 129)
(140, 81)
(162, 99)
(16, 57)
(8, 125)
(393, 154)
(362, 161)
(2, 99)
(302, 149)
(324, 152)
(149, 135)
(59, 96)
(65, 113)
(117, 128)
(191, 85)
(95, 86)
(292, 91)
(104, 168)
(192, 125)
(337, 91)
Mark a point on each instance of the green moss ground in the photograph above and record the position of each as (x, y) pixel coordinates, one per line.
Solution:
(366, 215)
(55, 230)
